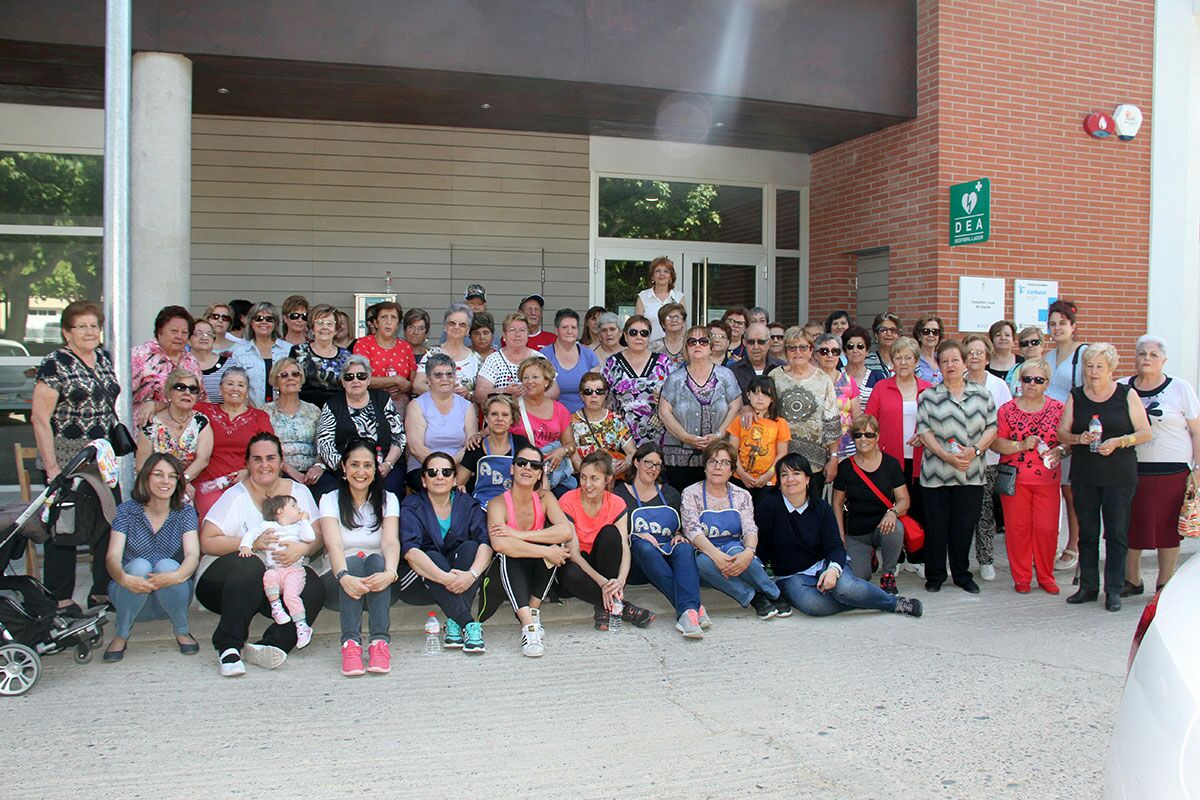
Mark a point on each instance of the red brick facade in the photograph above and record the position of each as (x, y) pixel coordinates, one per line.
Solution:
(1002, 91)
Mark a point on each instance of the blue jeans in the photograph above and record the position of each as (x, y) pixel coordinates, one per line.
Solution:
(167, 603)
(849, 593)
(743, 587)
(676, 575)
(379, 604)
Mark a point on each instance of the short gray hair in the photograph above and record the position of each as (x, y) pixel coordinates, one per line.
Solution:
(435, 360)
(608, 318)
(459, 308)
(356, 360)
(825, 337)
(1150, 338)
(1102, 350)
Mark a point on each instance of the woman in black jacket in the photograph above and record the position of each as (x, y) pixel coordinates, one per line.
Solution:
(799, 538)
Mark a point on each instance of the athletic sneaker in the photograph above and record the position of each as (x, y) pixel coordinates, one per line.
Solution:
(352, 659)
(887, 582)
(636, 615)
(474, 638)
(705, 621)
(264, 655)
(231, 664)
(763, 606)
(531, 642)
(783, 607)
(600, 618)
(380, 657)
(909, 606)
(304, 634)
(278, 613)
(537, 620)
(454, 635)
(987, 572)
(689, 625)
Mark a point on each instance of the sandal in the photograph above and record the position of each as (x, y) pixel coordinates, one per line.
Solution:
(600, 618)
(1067, 561)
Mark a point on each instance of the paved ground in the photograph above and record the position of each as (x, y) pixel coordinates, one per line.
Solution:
(989, 696)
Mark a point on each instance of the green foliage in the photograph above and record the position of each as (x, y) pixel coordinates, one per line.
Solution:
(641, 209)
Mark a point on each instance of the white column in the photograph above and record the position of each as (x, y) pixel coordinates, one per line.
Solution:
(1173, 310)
(160, 187)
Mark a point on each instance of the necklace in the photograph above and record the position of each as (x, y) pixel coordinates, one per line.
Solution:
(178, 423)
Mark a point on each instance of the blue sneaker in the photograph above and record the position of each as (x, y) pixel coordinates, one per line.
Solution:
(454, 635)
(474, 641)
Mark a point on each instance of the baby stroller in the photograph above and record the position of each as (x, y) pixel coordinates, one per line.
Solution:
(31, 624)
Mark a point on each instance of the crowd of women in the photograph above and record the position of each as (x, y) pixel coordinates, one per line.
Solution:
(788, 468)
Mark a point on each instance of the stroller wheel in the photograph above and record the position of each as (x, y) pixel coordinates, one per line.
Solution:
(83, 653)
(20, 668)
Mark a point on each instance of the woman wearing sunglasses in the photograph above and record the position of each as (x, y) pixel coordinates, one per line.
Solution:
(530, 533)
(828, 351)
(1027, 438)
(179, 429)
(365, 413)
(1029, 340)
(220, 317)
(295, 319)
(636, 377)
(295, 422)
(886, 327)
(928, 331)
(321, 360)
(260, 351)
(233, 422)
(597, 428)
(212, 364)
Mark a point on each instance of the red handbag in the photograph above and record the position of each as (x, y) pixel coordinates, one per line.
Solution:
(914, 534)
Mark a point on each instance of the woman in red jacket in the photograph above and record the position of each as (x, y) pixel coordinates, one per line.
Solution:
(894, 403)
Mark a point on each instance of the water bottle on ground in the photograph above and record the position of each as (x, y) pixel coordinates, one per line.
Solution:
(1095, 427)
(614, 616)
(433, 638)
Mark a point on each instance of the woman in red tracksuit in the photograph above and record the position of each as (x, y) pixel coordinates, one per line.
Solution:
(894, 403)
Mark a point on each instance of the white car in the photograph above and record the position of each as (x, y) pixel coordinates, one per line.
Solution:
(1155, 753)
(17, 373)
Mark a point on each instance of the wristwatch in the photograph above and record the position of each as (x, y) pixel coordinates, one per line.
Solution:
(978, 452)
(341, 574)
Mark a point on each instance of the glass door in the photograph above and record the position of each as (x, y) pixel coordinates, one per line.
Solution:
(623, 272)
(720, 282)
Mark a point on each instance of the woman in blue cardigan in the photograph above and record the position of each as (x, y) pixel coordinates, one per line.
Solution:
(444, 539)
(798, 537)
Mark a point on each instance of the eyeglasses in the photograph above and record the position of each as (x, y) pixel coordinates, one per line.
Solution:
(292, 374)
(592, 392)
(433, 472)
(796, 348)
(261, 318)
(87, 327)
(1038, 379)
(829, 351)
(204, 335)
(442, 374)
(720, 462)
(695, 341)
(186, 387)
(643, 332)
(887, 329)
(674, 318)
(522, 461)
(224, 317)
(756, 341)
(863, 434)
(1030, 343)
(735, 323)
(159, 475)
(455, 324)
(354, 376)
(777, 337)
(651, 464)
(295, 315)
(931, 331)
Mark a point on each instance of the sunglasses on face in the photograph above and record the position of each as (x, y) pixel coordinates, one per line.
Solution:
(756, 341)
(643, 332)
(522, 461)
(1030, 343)
(1038, 379)
(887, 330)
(433, 472)
(694, 342)
(295, 315)
(863, 434)
(856, 346)
(292, 374)
(592, 392)
(261, 318)
(829, 351)
(186, 387)
(224, 317)
(354, 376)
(931, 331)
(776, 337)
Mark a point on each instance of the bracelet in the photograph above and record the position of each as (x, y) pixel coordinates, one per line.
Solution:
(341, 574)
(474, 574)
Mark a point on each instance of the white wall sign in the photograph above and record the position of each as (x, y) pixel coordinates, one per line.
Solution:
(1031, 302)
(980, 303)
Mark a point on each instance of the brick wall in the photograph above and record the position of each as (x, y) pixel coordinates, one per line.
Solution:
(1002, 92)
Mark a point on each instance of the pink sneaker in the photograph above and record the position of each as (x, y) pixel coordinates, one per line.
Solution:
(352, 659)
(303, 634)
(380, 657)
(278, 614)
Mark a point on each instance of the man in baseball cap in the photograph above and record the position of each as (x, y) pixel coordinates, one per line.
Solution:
(531, 306)
(476, 297)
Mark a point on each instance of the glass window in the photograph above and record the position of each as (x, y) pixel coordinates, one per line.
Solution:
(787, 291)
(633, 208)
(787, 219)
(51, 189)
(623, 279)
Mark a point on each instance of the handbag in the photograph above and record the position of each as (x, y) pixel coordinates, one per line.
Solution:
(1006, 480)
(1189, 512)
(914, 534)
(120, 439)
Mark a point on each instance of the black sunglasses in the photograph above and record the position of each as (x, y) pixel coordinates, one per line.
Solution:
(1030, 343)
(297, 315)
(261, 318)
(829, 351)
(433, 472)
(756, 341)
(522, 461)
(693, 341)
(186, 387)
(863, 434)
(642, 332)
(931, 331)
(291, 374)
(354, 376)
(225, 317)
(1038, 379)
(856, 346)
(592, 392)
(777, 337)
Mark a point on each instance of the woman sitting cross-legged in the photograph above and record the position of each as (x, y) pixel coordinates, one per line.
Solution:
(599, 565)
(152, 554)
(531, 535)
(718, 519)
(360, 523)
(800, 541)
(445, 541)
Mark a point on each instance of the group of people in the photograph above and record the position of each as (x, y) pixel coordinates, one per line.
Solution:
(284, 467)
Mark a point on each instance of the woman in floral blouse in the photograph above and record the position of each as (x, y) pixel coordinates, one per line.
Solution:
(321, 360)
(597, 428)
(179, 429)
(150, 362)
(636, 376)
(295, 422)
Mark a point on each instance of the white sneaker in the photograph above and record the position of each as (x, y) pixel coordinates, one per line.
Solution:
(537, 621)
(264, 655)
(231, 669)
(531, 642)
(987, 572)
(689, 625)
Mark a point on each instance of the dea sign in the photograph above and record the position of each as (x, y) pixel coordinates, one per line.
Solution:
(970, 212)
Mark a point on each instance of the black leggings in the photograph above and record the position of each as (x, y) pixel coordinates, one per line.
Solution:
(232, 587)
(514, 579)
(58, 561)
(605, 558)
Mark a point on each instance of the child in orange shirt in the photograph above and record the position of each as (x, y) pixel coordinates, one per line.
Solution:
(764, 441)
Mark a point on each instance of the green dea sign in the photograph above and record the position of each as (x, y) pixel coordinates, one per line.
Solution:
(970, 212)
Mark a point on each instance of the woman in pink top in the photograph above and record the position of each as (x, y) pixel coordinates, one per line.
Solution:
(599, 565)
(530, 534)
(545, 422)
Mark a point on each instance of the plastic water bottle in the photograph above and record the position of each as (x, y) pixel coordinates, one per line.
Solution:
(615, 623)
(953, 447)
(433, 639)
(1095, 427)
(1044, 451)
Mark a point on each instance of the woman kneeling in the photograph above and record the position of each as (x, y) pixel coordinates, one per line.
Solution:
(801, 542)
